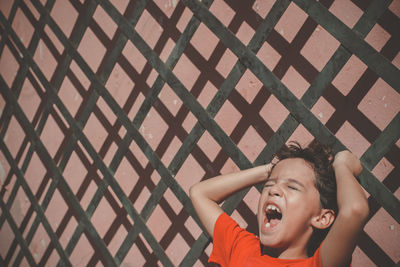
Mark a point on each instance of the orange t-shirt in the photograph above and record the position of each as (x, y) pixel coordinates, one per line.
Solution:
(234, 246)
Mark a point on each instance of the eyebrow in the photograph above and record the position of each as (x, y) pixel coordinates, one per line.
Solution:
(288, 180)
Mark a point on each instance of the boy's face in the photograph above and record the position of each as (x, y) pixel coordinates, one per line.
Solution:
(287, 205)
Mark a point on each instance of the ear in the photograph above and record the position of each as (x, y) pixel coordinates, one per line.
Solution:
(324, 219)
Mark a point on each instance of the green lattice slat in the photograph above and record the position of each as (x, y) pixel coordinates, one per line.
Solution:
(34, 202)
(65, 190)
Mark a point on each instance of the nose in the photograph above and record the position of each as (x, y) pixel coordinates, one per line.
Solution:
(275, 190)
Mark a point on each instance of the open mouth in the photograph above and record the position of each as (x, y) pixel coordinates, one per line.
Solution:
(273, 216)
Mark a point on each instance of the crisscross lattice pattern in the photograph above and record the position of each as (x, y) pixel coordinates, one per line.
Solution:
(111, 111)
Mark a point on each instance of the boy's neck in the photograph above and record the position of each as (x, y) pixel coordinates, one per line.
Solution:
(288, 253)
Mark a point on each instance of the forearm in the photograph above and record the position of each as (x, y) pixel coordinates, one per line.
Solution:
(207, 194)
(353, 211)
(351, 198)
(220, 187)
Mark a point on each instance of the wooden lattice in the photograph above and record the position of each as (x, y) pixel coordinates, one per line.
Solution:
(126, 144)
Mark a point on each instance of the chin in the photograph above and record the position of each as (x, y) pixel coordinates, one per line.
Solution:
(272, 248)
(270, 241)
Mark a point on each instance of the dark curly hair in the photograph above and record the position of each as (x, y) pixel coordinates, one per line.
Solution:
(320, 157)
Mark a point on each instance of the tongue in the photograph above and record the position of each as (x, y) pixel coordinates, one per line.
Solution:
(274, 222)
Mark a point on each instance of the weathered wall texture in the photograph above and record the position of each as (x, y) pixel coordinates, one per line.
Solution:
(111, 111)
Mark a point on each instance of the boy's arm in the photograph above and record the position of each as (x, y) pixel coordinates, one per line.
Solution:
(207, 194)
(340, 242)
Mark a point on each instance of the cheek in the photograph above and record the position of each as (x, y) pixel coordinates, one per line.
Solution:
(304, 203)
(315, 200)
(312, 206)
(263, 197)
(261, 202)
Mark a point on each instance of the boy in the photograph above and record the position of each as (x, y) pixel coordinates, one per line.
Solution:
(296, 209)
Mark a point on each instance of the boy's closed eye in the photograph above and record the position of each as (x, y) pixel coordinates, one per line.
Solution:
(293, 187)
(290, 183)
(269, 184)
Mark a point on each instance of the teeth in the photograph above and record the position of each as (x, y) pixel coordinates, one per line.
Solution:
(272, 207)
(268, 225)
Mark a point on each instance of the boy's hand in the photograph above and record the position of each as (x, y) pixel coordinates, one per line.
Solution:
(348, 160)
(268, 169)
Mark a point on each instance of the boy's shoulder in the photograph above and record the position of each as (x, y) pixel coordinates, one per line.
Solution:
(232, 243)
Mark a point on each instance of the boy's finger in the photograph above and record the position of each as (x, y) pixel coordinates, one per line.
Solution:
(269, 168)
